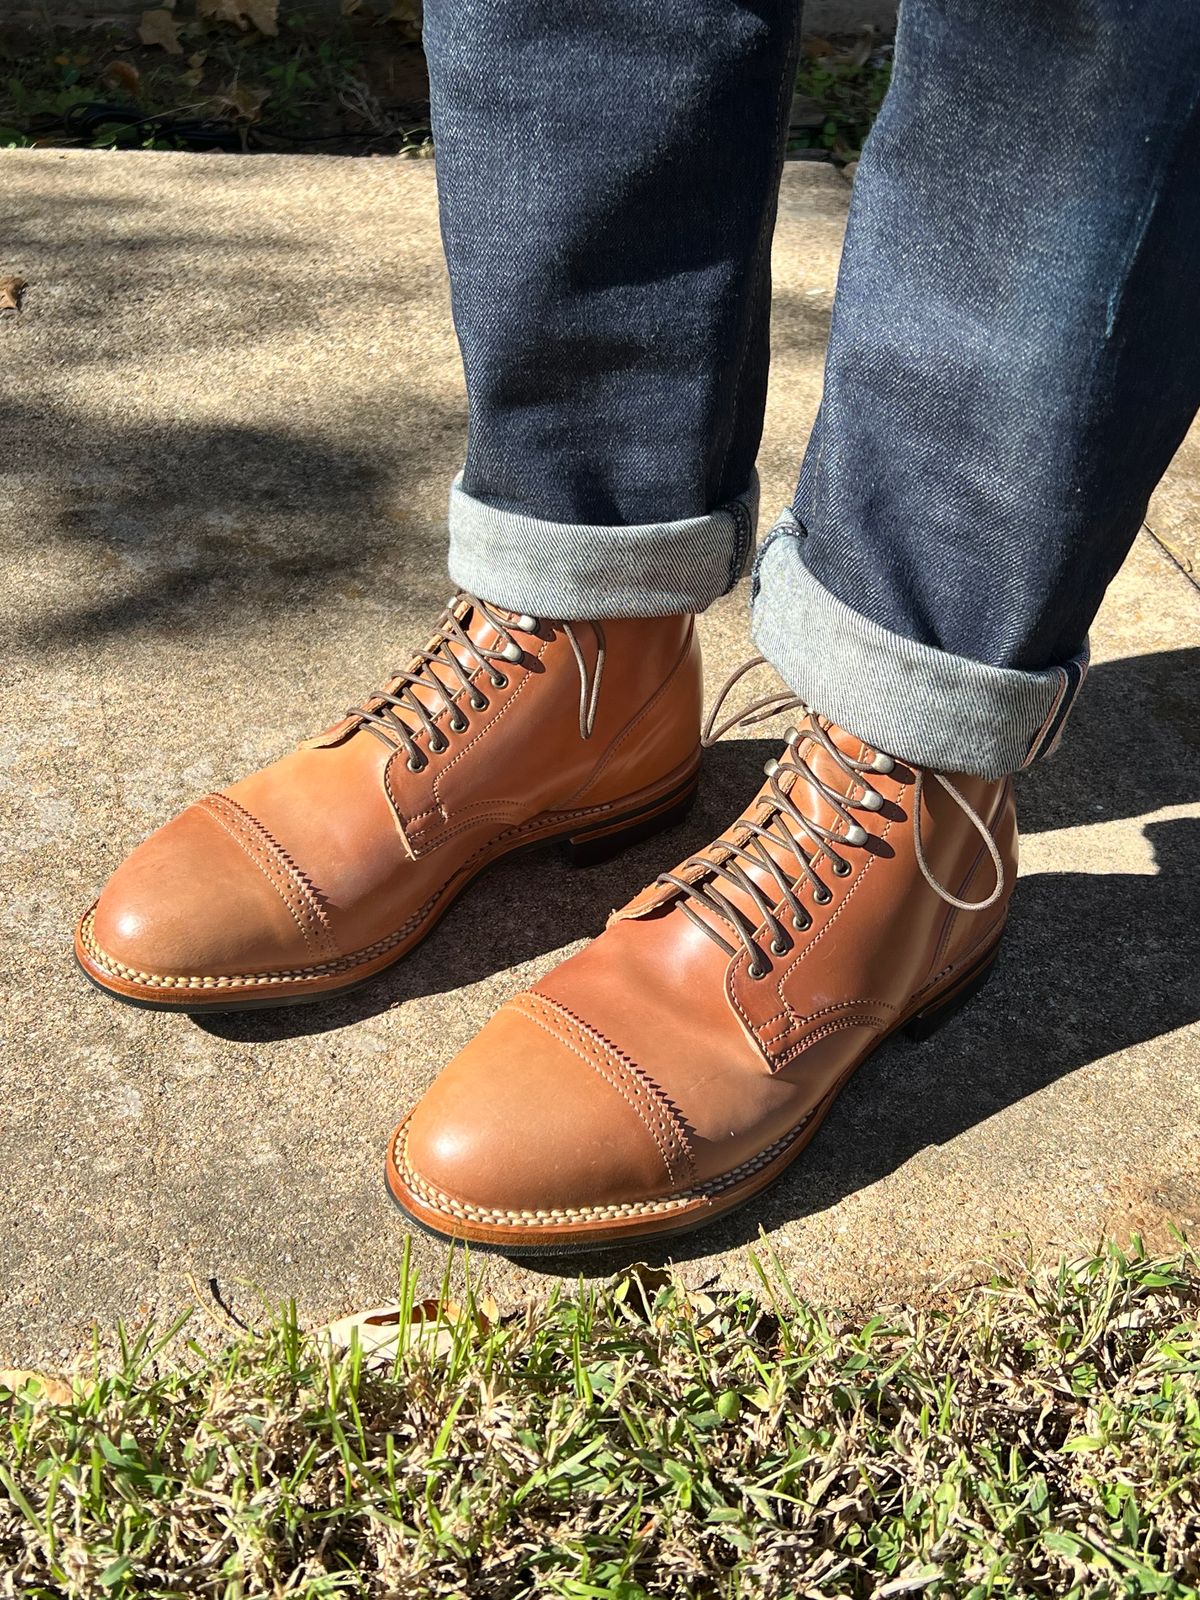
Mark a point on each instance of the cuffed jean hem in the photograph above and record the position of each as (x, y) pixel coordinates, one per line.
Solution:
(915, 702)
(592, 571)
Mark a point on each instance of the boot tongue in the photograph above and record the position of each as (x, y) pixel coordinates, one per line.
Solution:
(805, 792)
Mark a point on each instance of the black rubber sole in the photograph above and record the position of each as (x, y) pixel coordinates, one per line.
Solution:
(589, 846)
(584, 1248)
(923, 1025)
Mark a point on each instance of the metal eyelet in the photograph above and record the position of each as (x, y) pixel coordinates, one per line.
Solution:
(440, 746)
(755, 972)
(802, 927)
(778, 948)
(479, 702)
(822, 896)
(458, 724)
(418, 765)
(843, 869)
(499, 681)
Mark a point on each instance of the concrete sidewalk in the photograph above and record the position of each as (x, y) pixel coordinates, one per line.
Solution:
(228, 418)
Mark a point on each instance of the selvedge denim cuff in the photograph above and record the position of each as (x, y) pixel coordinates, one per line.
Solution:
(592, 571)
(918, 703)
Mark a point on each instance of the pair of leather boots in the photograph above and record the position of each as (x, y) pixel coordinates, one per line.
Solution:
(679, 1063)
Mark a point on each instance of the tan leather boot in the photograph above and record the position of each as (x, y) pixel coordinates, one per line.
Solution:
(307, 877)
(675, 1067)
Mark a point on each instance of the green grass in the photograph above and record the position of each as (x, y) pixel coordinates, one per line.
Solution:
(319, 83)
(1038, 1436)
(843, 93)
(352, 82)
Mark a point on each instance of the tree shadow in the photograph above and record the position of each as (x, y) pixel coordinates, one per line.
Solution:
(133, 516)
(165, 528)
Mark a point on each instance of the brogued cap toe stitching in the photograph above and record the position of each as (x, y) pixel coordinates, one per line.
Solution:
(657, 1113)
(293, 886)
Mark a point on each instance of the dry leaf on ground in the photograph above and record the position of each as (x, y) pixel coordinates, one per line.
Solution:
(10, 293)
(260, 14)
(407, 12)
(17, 1379)
(159, 27)
(122, 75)
(242, 100)
(263, 14)
(430, 1321)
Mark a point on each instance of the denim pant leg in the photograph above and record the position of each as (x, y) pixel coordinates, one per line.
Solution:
(608, 178)
(1014, 358)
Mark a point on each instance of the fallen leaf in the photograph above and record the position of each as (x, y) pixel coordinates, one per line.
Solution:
(430, 1322)
(159, 27)
(194, 75)
(860, 53)
(10, 293)
(262, 15)
(243, 101)
(122, 75)
(640, 1286)
(54, 1389)
(407, 14)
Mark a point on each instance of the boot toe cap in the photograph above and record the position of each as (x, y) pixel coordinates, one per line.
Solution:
(191, 904)
(532, 1124)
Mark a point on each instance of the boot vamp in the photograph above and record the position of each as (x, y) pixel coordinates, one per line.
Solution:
(655, 988)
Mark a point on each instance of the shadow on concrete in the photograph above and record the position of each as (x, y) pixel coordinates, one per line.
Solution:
(168, 529)
(800, 324)
(1132, 745)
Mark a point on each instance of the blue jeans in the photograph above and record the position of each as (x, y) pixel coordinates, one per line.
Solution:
(1014, 357)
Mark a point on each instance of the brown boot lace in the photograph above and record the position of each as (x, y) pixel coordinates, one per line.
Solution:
(379, 715)
(781, 825)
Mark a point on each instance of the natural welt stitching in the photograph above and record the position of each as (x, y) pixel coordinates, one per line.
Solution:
(570, 1214)
(292, 975)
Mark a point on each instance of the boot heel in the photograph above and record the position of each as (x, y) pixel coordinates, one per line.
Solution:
(924, 1024)
(594, 845)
